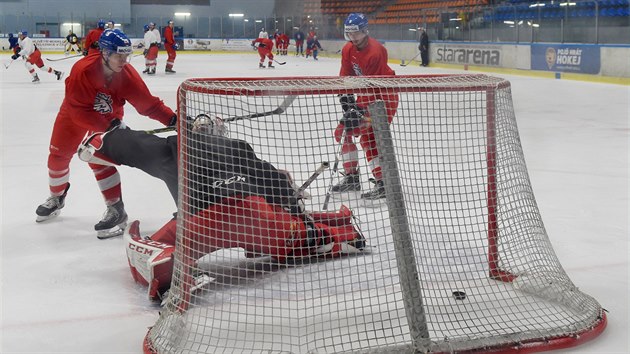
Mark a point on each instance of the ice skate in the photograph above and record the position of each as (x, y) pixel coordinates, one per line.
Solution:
(152, 71)
(350, 183)
(169, 71)
(270, 66)
(58, 74)
(113, 223)
(51, 207)
(35, 79)
(378, 192)
(145, 71)
(261, 65)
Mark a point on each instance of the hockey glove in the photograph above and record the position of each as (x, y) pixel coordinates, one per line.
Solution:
(352, 118)
(348, 102)
(85, 52)
(145, 52)
(173, 121)
(175, 46)
(15, 56)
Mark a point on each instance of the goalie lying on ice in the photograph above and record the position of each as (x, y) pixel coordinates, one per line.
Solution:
(232, 199)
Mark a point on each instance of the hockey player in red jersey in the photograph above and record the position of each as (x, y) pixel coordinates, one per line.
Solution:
(171, 46)
(362, 55)
(265, 50)
(96, 91)
(234, 200)
(284, 47)
(91, 40)
(32, 56)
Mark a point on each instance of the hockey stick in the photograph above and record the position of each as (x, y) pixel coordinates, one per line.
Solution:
(280, 62)
(68, 57)
(161, 130)
(409, 61)
(6, 66)
(279, 110)
(324, 165)
(335, 168)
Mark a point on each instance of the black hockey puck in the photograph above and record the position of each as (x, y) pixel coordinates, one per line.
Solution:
(459, 295)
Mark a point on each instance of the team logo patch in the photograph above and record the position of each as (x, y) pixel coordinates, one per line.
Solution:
(357, 69)
(103, 103)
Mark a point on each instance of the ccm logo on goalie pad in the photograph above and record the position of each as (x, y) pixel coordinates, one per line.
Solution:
(145, 255)
(147, 247)
(228, 181)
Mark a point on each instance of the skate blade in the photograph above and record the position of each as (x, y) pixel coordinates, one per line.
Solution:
(113, 232)
(52, 215)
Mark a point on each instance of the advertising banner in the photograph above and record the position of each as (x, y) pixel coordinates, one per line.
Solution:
(573, 58)
(487, 55)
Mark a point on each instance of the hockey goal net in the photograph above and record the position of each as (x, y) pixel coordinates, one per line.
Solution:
(457, 256)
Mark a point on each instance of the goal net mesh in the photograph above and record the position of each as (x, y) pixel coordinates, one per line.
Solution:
(471, 224)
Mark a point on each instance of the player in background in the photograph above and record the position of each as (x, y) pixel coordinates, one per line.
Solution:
(299, 43)
(171, 46)
(91, 40)
(72, 43)
(265, 50)
(276, 40)
(311, 33)
(156, 32)
(312, 47)
(32, 56)
(150, 52)
(13, 43)
(261, 196)
(362, 55)
(110, 25)
(263, 33)
(284, 44)
(96, 91)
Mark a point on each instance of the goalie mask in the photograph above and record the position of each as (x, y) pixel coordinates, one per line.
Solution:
(204, 123)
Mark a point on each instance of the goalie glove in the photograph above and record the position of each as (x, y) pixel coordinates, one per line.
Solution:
(88, 151)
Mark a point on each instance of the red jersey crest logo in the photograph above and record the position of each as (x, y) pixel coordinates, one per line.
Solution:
(103, 103)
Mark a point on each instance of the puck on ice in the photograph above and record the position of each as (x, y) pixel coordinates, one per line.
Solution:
(459, 295)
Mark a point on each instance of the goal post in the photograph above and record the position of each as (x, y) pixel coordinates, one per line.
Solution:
(457, 256)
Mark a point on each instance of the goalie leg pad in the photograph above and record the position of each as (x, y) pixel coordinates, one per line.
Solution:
(250, 223)
(150, 262)
(342, 217)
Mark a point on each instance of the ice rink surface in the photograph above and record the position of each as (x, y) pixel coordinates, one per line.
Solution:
(65, 291)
